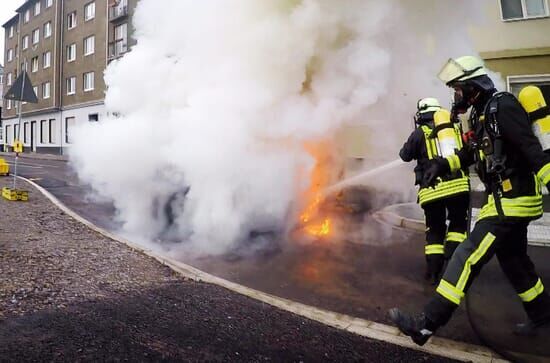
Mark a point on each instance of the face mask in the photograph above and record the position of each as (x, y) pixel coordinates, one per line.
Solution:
(463, 97)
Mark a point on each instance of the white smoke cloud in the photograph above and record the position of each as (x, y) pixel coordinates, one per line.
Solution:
(220, 96)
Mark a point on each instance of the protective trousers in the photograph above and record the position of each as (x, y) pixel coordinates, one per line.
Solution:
(508, 240)
(441, 241)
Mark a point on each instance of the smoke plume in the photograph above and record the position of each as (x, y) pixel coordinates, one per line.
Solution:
(216, 100)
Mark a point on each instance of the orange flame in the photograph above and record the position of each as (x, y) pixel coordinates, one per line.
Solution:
(314, 224)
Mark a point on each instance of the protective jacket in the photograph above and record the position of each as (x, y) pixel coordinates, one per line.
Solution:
(422, 145)
(509, 159)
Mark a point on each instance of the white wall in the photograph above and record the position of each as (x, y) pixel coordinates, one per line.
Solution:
(494, 34)
(59, 136)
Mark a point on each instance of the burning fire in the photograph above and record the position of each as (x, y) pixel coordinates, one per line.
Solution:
(314, 223)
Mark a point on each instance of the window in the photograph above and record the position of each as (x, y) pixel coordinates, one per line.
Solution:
(25, 132)
(51, 131)
(11, 31)
(27, 15)
(35, 36)
(34, 64)
(10, 55)
(9, 79)
(37, 8)
(89, 11)
(71, 20)
(16, 134)
(71, 85)
(69, 124)
(47, 59)
(516, 84)
(523, 9)
(43, 131)
(8, 104)
(71, 52)
(49, 3)
(46, 87)
(88, 81)
(121, 32)
(89, 45)
(48, 29)
(9, 136)
(35, 89)
(25, 42)
(93, 117)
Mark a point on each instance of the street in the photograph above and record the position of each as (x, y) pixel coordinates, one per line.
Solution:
(362, 279)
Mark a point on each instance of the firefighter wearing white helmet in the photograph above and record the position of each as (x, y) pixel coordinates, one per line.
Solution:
(511, 163)
(435, 136)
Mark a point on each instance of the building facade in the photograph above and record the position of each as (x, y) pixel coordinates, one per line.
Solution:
(514, 41)
(64, 47)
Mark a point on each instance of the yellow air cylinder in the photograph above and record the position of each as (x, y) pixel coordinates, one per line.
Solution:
(532, 100)
(446, 137)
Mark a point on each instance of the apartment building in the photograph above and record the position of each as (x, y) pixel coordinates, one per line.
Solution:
(64, 47)
(514, 41)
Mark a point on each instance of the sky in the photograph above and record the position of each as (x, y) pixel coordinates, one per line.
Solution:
(7, 10)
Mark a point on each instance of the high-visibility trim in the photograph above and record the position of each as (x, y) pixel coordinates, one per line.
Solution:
(456, 237)
(544, 174)
(454, 162)
(444, 189)
(474, 258)
(525, 207)
(449, 292)
(532, 293)
(435, 249)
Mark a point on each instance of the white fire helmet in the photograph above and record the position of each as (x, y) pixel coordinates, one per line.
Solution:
(428, 104)
(461, 69)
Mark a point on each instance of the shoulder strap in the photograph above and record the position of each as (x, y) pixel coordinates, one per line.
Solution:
(538, 114)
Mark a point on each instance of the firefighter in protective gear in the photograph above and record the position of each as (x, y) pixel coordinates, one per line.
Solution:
(449, 199)
(511, 163)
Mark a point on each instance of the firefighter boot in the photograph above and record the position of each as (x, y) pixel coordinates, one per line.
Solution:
(416, 327)
(531, 328)
(538, 311)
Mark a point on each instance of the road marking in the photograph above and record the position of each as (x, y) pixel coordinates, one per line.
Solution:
(386, 333)
(23, 165)
(29, 165)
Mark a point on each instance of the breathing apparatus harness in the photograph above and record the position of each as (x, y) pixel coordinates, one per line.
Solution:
(489, 154)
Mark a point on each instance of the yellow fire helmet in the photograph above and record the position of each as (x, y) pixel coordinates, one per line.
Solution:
(428, 104)
(461, 69)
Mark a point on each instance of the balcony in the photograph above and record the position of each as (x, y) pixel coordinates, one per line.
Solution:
(118, 11)
(117, 48)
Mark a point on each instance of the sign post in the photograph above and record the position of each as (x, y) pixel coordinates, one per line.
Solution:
(21, 91)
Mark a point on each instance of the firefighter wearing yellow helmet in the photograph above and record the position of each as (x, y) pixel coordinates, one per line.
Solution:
(511, 163)
(435, 135)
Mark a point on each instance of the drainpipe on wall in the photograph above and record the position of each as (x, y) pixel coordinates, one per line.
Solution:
(61, 62)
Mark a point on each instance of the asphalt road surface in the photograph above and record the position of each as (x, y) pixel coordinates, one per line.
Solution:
(364, 275)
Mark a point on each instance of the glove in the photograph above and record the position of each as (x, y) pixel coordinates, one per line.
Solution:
(438, 167)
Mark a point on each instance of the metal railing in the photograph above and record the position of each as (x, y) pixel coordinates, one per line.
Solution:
(117, 48)
(118, 11)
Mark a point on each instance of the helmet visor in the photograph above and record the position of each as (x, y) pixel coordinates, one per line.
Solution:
(451, 71)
